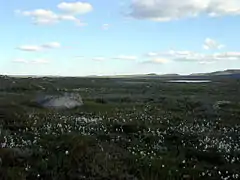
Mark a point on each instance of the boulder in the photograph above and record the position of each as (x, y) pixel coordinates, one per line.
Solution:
(218, 104)
(63, 101)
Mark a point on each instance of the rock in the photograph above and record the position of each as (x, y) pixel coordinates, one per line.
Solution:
(65, 101)
(218, 104)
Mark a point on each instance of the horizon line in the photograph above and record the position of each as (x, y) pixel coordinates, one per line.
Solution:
(116, 75)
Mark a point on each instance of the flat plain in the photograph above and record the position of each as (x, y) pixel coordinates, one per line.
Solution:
(128, 128)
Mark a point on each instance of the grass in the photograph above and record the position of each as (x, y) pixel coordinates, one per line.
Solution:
(123, 131)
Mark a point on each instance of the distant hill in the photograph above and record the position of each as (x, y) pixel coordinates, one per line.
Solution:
(152, 74)
(232, 73)
(229, 72)
(226, 72)
(169, 75)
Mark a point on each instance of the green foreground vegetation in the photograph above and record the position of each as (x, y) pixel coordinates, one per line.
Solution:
(132, 129)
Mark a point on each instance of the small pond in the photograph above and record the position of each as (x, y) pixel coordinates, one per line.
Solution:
(189, 81)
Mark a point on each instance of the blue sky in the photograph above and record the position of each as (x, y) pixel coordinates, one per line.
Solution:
(92, 37)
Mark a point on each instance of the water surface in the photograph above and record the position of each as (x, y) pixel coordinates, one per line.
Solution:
(189, 81)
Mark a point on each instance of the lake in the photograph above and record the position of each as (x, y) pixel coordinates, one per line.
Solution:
(189, 81)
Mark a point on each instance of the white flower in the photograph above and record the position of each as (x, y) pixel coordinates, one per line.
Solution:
(3, 145)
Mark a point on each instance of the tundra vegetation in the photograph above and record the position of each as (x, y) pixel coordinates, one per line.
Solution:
(127, 128)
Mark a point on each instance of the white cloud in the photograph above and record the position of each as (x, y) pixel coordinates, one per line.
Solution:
(207, 62)
(99, 59)
(48, 17)
(183, 55)
(200, 57)
(152, 54)
(75, 7)
(67, 18)
(29, 48)
(166, 10)
(41, 16)
(40, 61)
(51, 45)
(123, 57)
(105, 26)
(158, 60)
(212, 44)
(78, 57)
(227, 56)
(35, 61)
(20, 61)
(34, 48)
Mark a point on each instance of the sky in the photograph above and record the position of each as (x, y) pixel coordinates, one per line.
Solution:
(114, 37)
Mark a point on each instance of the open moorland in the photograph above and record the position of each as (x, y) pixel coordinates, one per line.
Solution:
(128, 128)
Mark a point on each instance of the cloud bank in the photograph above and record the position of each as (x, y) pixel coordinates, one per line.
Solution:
(68, 12)
(35, 48)
(167, 10)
